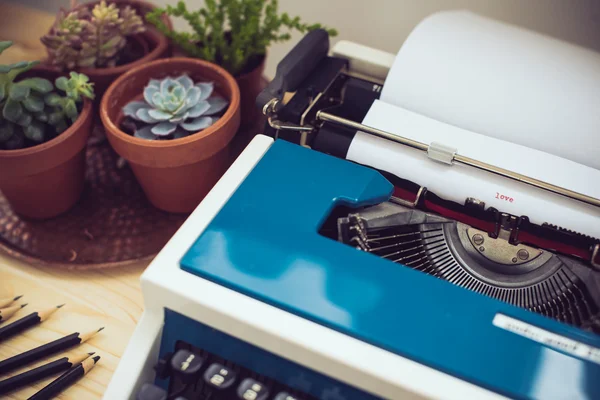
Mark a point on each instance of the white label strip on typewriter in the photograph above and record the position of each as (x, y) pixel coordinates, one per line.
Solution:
(458, 182)
(548, 338)
(550, 382)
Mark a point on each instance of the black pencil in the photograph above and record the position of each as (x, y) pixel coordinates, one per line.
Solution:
(26, 322)
(8, 301)
(65, 380)
(7, 312)
(45, 350)
(41, 372)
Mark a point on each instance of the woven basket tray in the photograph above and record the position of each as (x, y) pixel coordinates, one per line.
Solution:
(113, 224)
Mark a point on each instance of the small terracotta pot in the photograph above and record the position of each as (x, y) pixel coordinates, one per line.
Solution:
(175, 174)
(250, 85)
(46, 180)
(154, 43)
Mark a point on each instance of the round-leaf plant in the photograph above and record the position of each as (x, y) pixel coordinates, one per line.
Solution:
(32, 110)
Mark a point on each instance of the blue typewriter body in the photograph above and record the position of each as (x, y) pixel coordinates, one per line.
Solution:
(264, 243)
(303, 275)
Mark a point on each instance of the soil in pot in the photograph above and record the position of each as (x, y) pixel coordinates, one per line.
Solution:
(175, 174)
(137, 47)
(45, 180)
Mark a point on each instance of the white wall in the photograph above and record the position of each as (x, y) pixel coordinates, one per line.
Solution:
(386, 23)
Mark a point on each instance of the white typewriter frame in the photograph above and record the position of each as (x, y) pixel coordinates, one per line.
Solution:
(165, 285)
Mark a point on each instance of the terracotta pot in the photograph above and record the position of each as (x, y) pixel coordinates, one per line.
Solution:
(46, 180)
(250, 85)
(154, 43)
(175, 174)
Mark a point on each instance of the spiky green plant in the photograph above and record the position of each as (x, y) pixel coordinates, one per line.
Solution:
(91, 38)
(230, 32)
(32, 112)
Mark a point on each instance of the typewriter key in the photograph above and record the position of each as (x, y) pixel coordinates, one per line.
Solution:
(186, 365)
(250, 389)
(219, 376)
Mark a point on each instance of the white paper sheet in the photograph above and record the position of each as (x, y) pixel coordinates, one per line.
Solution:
(457, 182)
(513, 157)
(501, 81)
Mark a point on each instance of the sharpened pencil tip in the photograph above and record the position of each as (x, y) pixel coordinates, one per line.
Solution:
(92, 353)
(23, 305)
(100, 329)
(96, 359)
(17, 297)
(60, 305)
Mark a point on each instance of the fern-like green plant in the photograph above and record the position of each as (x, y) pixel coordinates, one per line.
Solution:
(230, 33)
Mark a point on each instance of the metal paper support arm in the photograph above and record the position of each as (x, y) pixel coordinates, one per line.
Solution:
(327, 117)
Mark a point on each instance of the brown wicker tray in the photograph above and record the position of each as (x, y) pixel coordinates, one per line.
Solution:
(112, 225)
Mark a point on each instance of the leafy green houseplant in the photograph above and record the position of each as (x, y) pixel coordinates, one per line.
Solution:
(174, 108)
(230, 32)
(32, 111)
(234, 34)
(44, 128)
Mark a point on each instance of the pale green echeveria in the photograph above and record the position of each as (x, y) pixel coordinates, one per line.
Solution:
(175, 107)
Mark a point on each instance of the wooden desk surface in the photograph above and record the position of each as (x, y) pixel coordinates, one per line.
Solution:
(109, 298)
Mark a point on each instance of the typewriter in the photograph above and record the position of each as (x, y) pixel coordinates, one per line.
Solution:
(307, 273)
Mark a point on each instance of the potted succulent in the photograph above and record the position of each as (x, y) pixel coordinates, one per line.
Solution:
(234, 34)
(43, 132)
(104, 39)
(172, 120)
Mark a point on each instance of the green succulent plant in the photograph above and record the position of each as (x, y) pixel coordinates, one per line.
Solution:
(91, 38)
(32, 112)
(230, 32)
(174, 108)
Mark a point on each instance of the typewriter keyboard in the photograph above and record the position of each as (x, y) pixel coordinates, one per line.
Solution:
(195, 374)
